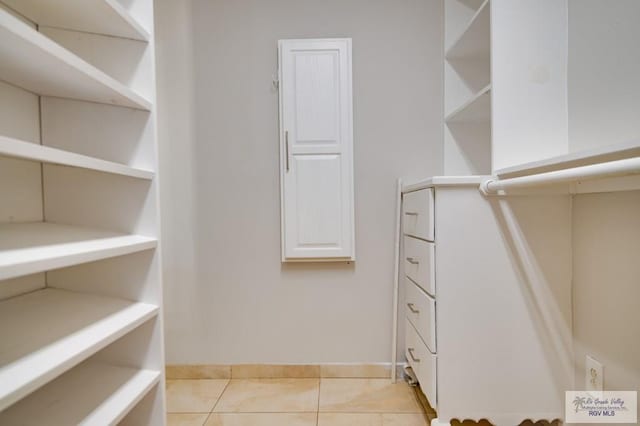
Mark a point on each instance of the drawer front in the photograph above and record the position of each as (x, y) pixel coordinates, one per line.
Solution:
(418, 214)
(421, 311)
(419, 261)
(423, 363)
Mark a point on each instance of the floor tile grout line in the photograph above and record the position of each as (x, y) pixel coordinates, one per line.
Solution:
(196, 378)
(371, 412)
(257, 412)
(219, 397)
(206, 419)
(297, 412)
(173, 378)
(318, 406)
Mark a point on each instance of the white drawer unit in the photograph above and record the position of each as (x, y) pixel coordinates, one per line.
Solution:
(421, 311)
(471, 306)
(418, 214)
(422, 361)
(419, 261)
(420, 287)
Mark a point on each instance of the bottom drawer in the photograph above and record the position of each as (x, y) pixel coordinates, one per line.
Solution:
(421, 311)
(422, 362)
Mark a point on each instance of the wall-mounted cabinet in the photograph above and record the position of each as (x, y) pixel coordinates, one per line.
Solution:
(80, 279)
(316, 147)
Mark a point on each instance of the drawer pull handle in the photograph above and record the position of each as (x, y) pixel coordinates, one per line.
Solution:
(411, 213)
(412, 261)
(286, 144)
(413, 358)
(412, 308)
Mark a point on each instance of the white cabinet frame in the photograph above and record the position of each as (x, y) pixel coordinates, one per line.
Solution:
(316, 150)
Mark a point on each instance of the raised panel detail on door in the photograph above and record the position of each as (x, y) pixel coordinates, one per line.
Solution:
(318, 201)
(317, 97)
(316, 150)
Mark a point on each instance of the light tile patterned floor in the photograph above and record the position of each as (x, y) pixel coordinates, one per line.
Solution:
(292, 402)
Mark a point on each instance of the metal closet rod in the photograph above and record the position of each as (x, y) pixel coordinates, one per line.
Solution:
(629, 166)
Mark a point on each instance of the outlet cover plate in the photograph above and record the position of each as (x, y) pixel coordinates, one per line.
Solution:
(594, 375)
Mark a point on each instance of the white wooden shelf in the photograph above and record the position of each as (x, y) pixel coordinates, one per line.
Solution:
(37, 64)
(47, 332)
(35, 152)
(93, 16)
(474, 41)
(576, 159)
(476, 109)
(91, 393)
(442, 181)
(27, 248)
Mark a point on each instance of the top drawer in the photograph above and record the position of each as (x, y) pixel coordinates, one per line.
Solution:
(418, 214)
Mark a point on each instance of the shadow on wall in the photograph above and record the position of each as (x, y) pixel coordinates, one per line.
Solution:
(542, 261)
(315, 267)
(119, 136)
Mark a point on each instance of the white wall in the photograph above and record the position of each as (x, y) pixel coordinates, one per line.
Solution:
(176, 144)
(604, 65)
(229, 299)
(607, 286)
(604, 108)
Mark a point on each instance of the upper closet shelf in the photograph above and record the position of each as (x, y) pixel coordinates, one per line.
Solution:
(442, 181)
(603, 154)
(477, 109)
(107, 17)
(91, 393)
(32, 61)
(35, 152)
(28, 248)
(47, 332)
(474, 41)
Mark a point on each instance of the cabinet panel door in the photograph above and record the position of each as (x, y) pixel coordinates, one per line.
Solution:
(316, 142)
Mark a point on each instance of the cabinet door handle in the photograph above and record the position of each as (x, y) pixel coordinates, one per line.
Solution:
(286, 145)
(412, 308)
(411, 213)
(412, 261)
(413, 358)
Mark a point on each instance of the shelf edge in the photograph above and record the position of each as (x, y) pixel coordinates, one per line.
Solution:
(485, 90)
(132, 244)
(17, 148)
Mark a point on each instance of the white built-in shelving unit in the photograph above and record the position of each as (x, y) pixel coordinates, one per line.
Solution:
(467, 73)
(539, 94)
(505, 84)
(80, 277)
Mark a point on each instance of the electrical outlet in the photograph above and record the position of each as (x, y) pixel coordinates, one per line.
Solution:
(594, 375)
